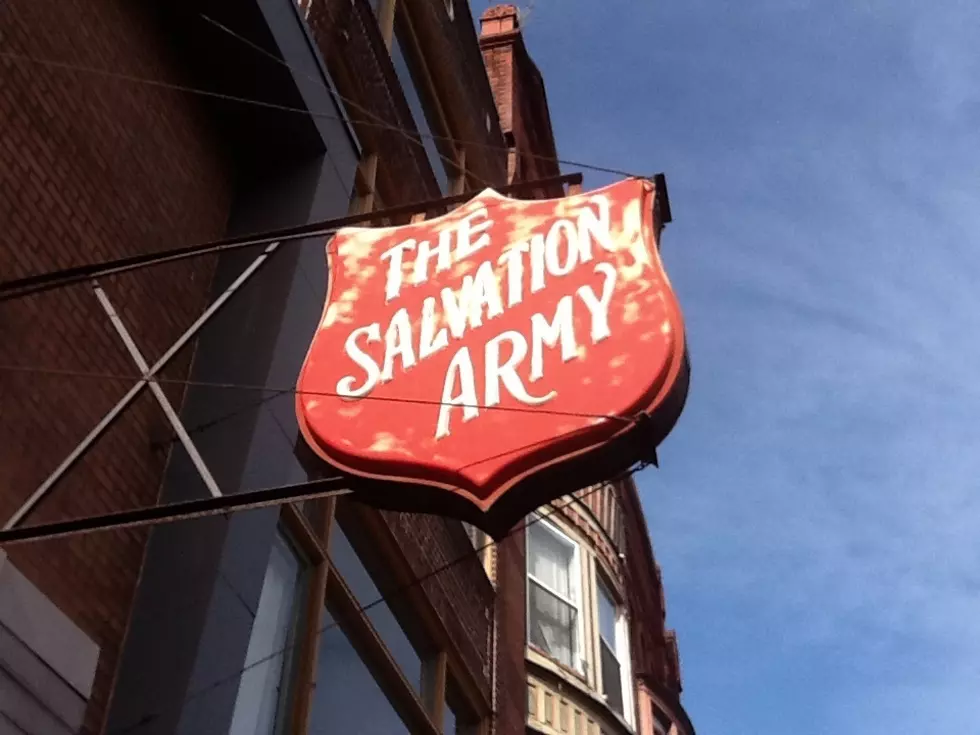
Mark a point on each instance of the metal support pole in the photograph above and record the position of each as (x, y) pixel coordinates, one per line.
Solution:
(19, 287)
(170, 512)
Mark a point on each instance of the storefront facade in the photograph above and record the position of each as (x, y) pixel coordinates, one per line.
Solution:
(321, 617)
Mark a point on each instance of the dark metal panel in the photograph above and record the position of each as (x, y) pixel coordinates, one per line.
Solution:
(201, 581)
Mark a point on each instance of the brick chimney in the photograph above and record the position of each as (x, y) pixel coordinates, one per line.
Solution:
(520, 96)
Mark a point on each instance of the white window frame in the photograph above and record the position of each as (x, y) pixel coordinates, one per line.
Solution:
(625, 666)
(621, 646)
(575, 585)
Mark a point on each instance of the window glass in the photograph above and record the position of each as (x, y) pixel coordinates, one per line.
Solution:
(260, 693)
(551, 624)
(612, 676)
(552, 594)
(607, 615)
(407, 82)
(449, 721)
(354, 573)
(550, 559)
(346, 698)
(459, 717)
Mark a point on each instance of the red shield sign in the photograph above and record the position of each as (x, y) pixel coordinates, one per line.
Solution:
(499, 356)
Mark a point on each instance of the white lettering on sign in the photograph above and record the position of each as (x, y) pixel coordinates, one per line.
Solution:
(561, 328)
(599, 307)
(523, 269)
(346, 385)
(460, 371)
(426, 252)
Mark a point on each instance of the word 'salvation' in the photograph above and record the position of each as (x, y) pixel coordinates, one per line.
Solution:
(522, 269)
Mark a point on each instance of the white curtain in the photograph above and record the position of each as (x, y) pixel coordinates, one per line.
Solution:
(259, 693)
(550, 560)
(551, 625)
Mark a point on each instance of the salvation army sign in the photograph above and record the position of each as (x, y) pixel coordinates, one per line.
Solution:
(496, 357)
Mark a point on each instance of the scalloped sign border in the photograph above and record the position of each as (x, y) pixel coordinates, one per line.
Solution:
(487, 361)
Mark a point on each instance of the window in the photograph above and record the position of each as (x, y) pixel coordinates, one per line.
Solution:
(553, 593)
(261, 692)
(610, 648)
(448, 721)
(408, 80)
(366, 592)
(347, 698)
(661, 721)
(458, 717)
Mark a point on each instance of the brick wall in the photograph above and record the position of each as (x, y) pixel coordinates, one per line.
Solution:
(455, 582)
(521, 102)
(654, 647)
(500, 63)
(93, 168)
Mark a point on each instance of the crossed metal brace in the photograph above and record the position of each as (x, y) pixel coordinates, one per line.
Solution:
(14, 530)
(149, 373)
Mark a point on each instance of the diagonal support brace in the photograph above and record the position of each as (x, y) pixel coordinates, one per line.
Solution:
(100, 428)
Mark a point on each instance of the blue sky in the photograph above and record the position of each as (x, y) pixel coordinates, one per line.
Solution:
(817, 513)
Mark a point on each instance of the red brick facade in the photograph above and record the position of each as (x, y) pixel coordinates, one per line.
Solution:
(93, 168)
(654, 646)
(521, 101)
